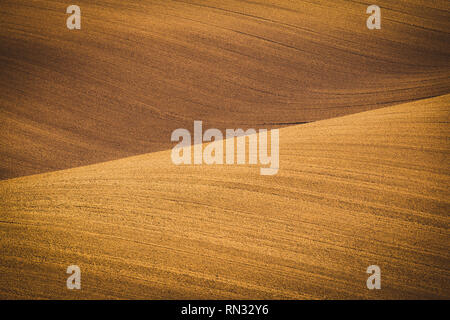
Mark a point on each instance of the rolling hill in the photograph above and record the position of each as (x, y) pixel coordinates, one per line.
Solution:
(352, 191)
(138, 70)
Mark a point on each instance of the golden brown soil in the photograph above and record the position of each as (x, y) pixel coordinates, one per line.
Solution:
(369, 188)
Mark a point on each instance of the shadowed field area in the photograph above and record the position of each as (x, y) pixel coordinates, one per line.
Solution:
(138, 70)
(369, 188)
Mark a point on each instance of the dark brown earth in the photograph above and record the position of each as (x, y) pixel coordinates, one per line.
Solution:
(138, 70)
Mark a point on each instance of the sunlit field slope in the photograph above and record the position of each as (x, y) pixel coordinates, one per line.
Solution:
(365, 189)
(137, 70)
